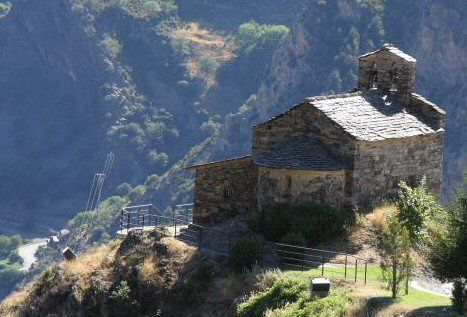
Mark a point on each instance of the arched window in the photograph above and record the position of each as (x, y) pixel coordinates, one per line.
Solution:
(394, 79)
(374, 76)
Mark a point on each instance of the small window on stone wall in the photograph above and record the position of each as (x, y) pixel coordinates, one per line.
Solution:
(227, 191)
(288, 185)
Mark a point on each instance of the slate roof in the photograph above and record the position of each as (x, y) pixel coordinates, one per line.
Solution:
(302, 153)
(372, 116)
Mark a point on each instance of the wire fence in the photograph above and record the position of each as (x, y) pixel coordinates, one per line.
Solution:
(336, 263)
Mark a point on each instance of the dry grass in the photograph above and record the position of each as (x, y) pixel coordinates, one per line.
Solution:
(379, 214)
(197, 43)
(149, 271)
(178, 248)
(11, 306)
(97, 259)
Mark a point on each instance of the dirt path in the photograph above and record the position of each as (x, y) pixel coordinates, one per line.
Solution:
(444, 289)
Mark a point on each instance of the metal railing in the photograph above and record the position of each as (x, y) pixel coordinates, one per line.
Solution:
(183, 211)
(338, 263)
(179, 225)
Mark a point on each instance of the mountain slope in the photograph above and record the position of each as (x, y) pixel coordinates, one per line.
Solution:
(165, 83)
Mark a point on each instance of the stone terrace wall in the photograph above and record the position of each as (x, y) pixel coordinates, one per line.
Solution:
(380, 165)
(300, 187)
(303, 119)
(224, 188)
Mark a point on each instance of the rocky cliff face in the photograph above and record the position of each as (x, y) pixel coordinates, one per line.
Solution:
(79, 78)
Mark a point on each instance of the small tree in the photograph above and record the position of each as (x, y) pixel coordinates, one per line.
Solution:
(448, 248)
(396, 261)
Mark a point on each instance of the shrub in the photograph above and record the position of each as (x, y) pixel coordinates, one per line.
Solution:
(122, 300)
(245, 253)
(209, 65)
(274, 222)
(319, 223)
(284, 290)
(294, 238)
(316, 223)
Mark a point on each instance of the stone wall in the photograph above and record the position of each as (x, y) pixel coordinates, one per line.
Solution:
(287, 186)
(303, 119)
(224, 188)
(380, 165)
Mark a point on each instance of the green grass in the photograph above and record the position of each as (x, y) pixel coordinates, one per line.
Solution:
(373, 272)
(414, 300)
(7, 265)
(290, 296)
(418, 298)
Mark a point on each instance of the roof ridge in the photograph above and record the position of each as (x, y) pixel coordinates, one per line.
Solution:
(311, 100)
(219, 161)
(334, 96)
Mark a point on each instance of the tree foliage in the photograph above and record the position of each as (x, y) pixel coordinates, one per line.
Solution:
(253, 36)
(415, 207)
(8, 244)
(448, 247)
(97, 225)
(396, 260)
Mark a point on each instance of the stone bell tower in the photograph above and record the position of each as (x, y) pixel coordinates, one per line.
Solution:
(389, 70)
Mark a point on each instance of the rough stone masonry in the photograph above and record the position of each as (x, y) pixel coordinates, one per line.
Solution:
(347, 150)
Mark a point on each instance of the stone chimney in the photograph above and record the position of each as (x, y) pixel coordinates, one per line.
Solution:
(389, 70)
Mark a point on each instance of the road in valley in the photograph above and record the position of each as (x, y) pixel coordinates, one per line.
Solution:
(27, 252)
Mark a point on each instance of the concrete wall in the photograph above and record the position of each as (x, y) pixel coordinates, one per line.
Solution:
(300, 187)
(380, 165)
(224, 188)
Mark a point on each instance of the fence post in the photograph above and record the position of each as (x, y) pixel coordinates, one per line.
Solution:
(128, 223)
(175, 225)
(366, 267)
(322, 264)
(345, 267)
(199, 236)
(143, 223)
(356, 267)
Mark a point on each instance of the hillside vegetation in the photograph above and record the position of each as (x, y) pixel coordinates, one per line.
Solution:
(166, 83)
(154, 275)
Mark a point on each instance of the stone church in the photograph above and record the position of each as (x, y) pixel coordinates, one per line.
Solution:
(346, 150)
